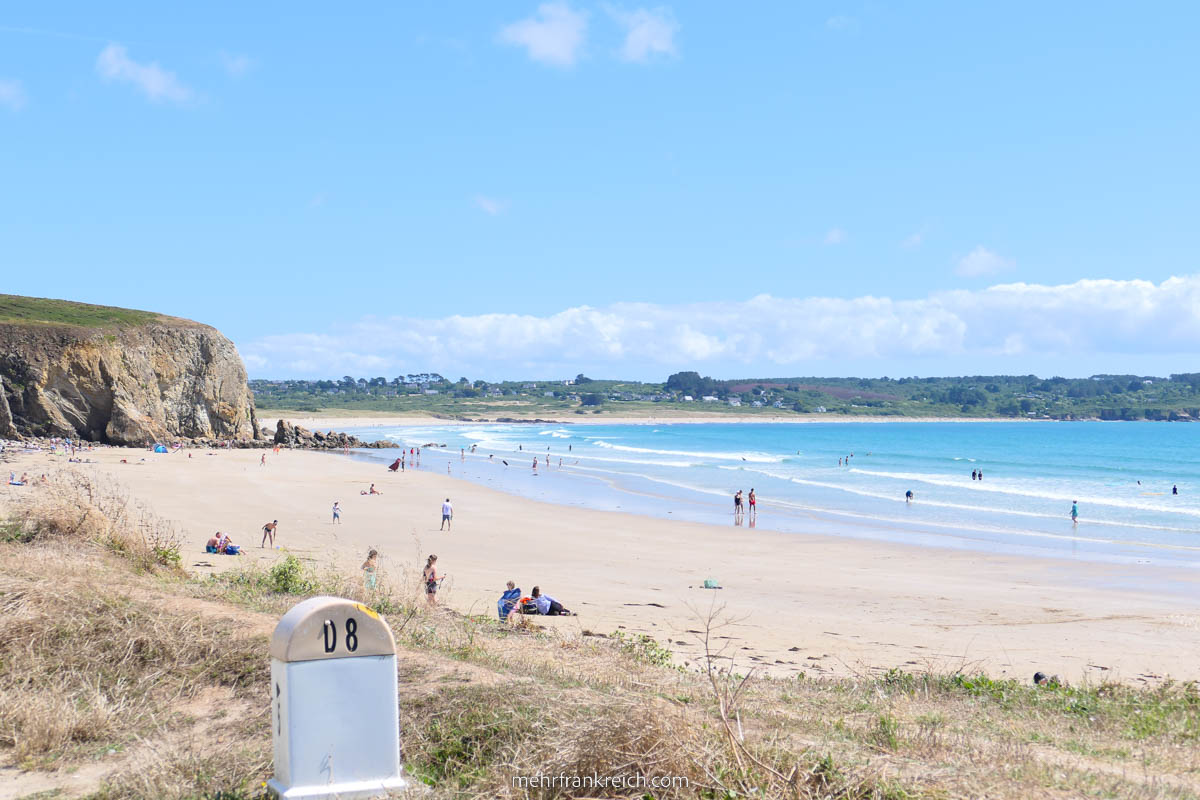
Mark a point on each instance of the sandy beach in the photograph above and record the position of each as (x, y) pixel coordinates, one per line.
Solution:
(811, 603)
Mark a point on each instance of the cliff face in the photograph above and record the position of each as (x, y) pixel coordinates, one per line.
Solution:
(123, 384)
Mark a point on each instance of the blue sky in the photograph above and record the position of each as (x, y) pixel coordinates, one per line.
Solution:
(512, 189)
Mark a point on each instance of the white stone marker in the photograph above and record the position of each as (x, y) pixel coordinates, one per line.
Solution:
(334, 712)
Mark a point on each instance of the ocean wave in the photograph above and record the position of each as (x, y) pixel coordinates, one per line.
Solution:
(1000, 488)
(976, 509)
(758, 458)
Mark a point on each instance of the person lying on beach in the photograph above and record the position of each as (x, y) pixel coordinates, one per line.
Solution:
(12, 480)
(547, 605)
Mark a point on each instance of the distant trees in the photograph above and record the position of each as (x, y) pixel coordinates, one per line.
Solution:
(581, 378)
(591, 399)
(691, 383)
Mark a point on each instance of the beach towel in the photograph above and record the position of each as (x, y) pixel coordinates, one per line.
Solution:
(504, 605)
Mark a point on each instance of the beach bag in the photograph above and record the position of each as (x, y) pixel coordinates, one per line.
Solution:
(233, 550)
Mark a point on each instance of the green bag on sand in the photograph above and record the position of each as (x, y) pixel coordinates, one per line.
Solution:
(711, 583)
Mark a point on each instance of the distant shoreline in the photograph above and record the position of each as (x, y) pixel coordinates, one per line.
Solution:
(311, 420)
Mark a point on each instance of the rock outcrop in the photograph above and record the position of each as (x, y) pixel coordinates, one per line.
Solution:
(289, 435)
(122, 383)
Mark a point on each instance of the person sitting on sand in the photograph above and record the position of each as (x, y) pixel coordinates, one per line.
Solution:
(227, 547)
(547, 605)
(369, 568)
(372, 490)
(214, 544)
(269, 533)
(507, 604)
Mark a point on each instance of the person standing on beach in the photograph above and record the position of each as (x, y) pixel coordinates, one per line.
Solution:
(753, 504)
(337, 514)
(908, 496)
(269, 533)
(972, 474)
(447, 514)
(369, 568)
(980, 474)
(1074, 512)
(430, 576)
(262, 462)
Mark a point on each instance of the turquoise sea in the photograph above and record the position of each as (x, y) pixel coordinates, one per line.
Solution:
(1121, 474)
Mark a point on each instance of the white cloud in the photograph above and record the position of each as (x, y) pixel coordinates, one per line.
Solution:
(765, 334)
(114, 64)
(835, 236)
(982, 261)
(647, 32)
(235, 64)
(12, 94)
(554, 35)
(914, 240)
(488, 205)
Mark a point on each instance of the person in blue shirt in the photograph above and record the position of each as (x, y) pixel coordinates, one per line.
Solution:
(508, 601)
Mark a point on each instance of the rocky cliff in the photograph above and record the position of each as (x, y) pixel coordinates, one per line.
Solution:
(117, 376)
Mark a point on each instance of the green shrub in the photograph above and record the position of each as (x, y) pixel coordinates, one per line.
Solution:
(288, 577)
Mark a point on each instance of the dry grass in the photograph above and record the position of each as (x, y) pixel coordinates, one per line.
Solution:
(72, 506)
(85, 666)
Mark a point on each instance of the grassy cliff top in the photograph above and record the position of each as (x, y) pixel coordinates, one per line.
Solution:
(43, 311)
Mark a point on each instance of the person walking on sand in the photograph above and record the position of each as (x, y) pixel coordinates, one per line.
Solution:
(269, 533)
(431, 578)
(1074, 512)
(337, 513)
(447, 514)
(262, 462)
